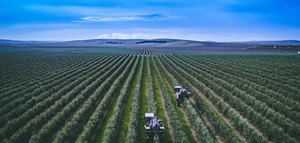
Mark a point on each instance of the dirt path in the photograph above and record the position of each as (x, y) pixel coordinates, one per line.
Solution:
(53, 136)
(160, 96)
(192, 130)
(214, 108)
(244, 119)
(194, 134)
(207, 122)
(206, 119)
(185, 116)
(167, 116)
(138, 82)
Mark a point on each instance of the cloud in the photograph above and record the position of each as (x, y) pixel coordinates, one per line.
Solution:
(117, 18)
(212, 35)
(147, 34)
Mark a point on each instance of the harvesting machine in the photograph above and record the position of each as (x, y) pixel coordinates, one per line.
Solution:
(154, 128)
(180, 94)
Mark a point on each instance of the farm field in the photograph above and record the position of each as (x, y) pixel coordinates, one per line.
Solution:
(48, 96)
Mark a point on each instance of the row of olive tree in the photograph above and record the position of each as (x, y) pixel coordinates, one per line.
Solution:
(213, 90)
(49, 99)
(202, 131)
(99, 113)
(111, 129)
(286, 106)
(69, 108)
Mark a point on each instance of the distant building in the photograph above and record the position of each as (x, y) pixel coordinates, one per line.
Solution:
(298, 52)
(274, 47)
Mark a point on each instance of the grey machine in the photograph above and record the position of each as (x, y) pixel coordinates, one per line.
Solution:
(180, 94)
(153, 127)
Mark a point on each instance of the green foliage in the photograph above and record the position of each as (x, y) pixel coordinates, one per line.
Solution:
(159, 105)
(132, 133)
(144, 105)
(218, 122)
(269, 114)
(111, 128)
(76, 96)
(203, 133)
(232, 100)
(122, 132)
(179, 135)
(183, 121)
(99, 111)
(59, 120)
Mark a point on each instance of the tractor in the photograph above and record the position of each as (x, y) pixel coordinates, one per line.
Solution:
(154, 128)
(180, 94)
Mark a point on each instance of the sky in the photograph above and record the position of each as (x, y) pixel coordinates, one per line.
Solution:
(203, 20)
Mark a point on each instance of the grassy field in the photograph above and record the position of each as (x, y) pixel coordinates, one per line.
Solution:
(72, 95)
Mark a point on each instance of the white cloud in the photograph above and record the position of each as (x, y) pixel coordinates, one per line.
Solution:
(113, 17)
(173, 34)
(106, 19)
(58, 32)
(151, 35)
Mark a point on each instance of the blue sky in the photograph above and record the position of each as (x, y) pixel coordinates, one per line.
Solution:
(204, 20)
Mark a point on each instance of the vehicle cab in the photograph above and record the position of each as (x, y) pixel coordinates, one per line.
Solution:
(177, 88)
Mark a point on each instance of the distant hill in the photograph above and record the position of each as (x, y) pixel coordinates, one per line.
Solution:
(19, 42)
(153, 43)
(164, 43)
(276, 42)
(160, 41)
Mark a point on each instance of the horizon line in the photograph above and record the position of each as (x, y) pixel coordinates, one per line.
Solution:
(33, 40)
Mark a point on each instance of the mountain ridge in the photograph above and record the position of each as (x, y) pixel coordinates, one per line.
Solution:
(163, 43)
(291, 41)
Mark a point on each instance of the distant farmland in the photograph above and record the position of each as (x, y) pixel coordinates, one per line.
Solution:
(75, 96)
